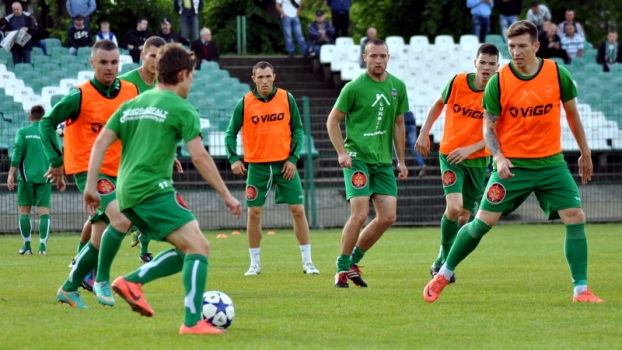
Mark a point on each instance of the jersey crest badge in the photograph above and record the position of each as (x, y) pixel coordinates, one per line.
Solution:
(496, 193)
(358, 179)
(449, 178)
(251, 192)
(105, 186)
(394, 93)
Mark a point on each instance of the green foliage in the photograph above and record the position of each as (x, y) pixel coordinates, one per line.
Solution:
(122, 15)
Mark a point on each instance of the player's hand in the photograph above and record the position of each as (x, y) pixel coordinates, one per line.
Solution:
(56, 175)
(403, 171)
(233, 205)
(503, 167)
(10, 183)
(177, 166)
(585, 169)
(289, 170)
(92, 201)
(62, 185)
(238, 168)
(345, 161)
(423, 144)
(458, 155)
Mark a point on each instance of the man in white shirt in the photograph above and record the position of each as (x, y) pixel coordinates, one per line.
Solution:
(290, 10)
(572, 42)
(537, 14)
(578, 29)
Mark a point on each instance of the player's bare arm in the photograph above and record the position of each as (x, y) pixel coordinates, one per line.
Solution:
(206, 167)
(92, 199)
(423, 141)
(10, 182)
(399, 142)
(574, 122)
(492, 141)
(458, 155)
(334, 132)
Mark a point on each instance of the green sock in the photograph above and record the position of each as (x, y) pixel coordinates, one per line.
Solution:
(575, 247)
(110, 245)
(144, 244)
(449, 229)
(85, 263)
(168, 262)
(81, 245)
(467, 240)
(357, 255)
(44, 230)
(343, 263)
(194, 276)
(24, 229)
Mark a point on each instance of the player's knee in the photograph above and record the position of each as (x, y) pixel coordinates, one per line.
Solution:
(359, 217)
(574, 216)
(254, 213)
(463, 220)
(297, 211)
(387, 219)
(453, 210)
(121, 223)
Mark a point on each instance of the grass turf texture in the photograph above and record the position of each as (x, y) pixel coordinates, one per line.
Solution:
(513, 292)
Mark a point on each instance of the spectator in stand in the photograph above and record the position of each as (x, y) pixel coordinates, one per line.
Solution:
(78, 36)
(9, 3)
(340, 10)
(189, 11)
(537, 14)
(171, 36)
(320, 32)
(135, 38)
(480, 11)
(508, 14)
(21, 20)
(82, 8)
(290, 10)
(550, 44)
(572, 42)
(38, 36)
(105, 33)
(204, 49)
(3, 25)
(609, 52)
(578, 29)
(371, 35)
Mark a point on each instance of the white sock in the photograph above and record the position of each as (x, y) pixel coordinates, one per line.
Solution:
(254, 256)
(579, 289)
(446, 272)
(305, 250)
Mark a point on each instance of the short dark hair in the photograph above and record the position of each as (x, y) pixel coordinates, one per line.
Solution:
(523, 27)
(37, 112)
(488, 49)
(171, 59)
(262, 65)
(153, 41)
(376, 42)
(105, 44)
(140, 19)
(611, 30)
(534, 4)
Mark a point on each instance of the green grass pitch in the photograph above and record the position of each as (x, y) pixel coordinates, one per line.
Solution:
(513, 292)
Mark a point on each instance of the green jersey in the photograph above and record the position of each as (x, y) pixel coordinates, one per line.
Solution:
(28, 156)
(492, 104)
(150, 127)
(134, 77)
(371, 108)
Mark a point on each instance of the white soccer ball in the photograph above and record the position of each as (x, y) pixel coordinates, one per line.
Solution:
(218, 309)
(60, 129)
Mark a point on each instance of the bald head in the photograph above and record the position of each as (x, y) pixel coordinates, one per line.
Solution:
(17, 8)
(371, 33)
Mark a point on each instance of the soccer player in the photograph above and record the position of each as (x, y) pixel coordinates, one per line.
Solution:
(32, 187)
(463, 157)
(272, 138)
(373, 105)
(522, 129)
(150, 127)
(85, 110)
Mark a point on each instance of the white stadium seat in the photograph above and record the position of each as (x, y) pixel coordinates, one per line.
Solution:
(353, 52)
(469, 42)
(30, 101)
(342, 43)
(418, 42)
(5, 77)
(444, 42)
(66, 85)
(85, 75)
(350, 71)
(216, 142)
(12, 85)
(48, 91)
(327, 51)
(22, 93)
(2, 67)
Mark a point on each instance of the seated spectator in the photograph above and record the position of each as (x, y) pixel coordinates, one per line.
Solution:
(320, 32)
(105, 33)
(135, 39)
(550, 44)
(609, 52)
(572, 42)
(78, 36)
(17, 21)
(171, 36)
(3, 25)
(537, 14)
(205, 49)
(371, 35)
(578, 29)
(9, 3)
(38, 36)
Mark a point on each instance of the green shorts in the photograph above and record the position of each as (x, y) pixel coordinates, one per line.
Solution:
(553, 186)
(458, 178)
(365, 180)
(107, 188)
(159, 215)
(261, 178)
(29, 194)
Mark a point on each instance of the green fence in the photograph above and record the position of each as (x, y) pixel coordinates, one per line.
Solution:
(420, 200)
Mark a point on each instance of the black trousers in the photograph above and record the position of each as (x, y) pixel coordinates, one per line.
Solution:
(341, 22)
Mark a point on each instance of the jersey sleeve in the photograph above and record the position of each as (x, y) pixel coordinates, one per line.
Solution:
(345, 101)
(190, 126)
(68, 108)
(402, 106)
(568, 89)
(18, 149)
(492, 96)
(231, 135)
(447, 90)
(296, 128)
